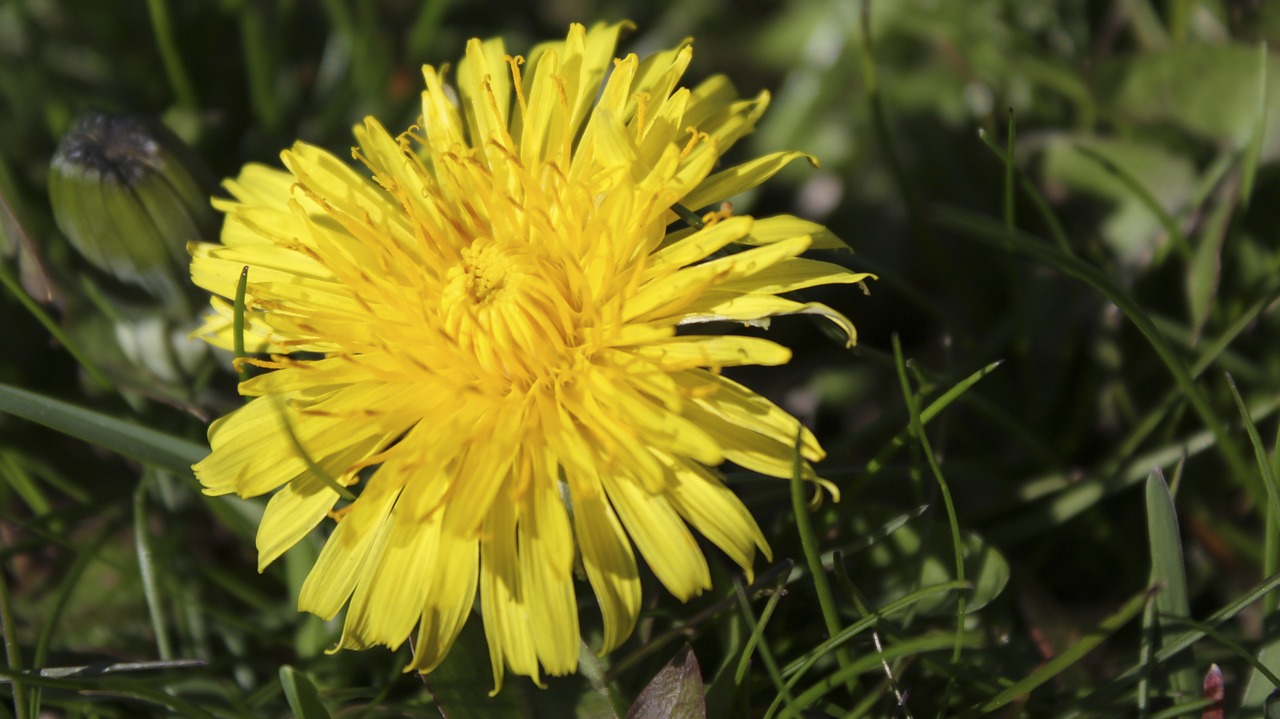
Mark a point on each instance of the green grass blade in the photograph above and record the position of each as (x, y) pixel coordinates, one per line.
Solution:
(766, 654)
(150, 582)
(1177, 237)
(796, 669)
(1253, 151)
(1174, 645)
(1010, 218)
(12, 650)
(953, 521)
(871, 662)
(141, 443)
(928, 413)
(53, 328)
(987, 230)
(167, 42)
(812, 557)
(1168, 568)
(1059, 663)
(1260, 453)
(301, 694)
(237, 325)
(756, 636)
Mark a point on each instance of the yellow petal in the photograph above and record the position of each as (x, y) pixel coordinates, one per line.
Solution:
(453, 581)
(717, 513)
(681, 353)
(507, 625)
(752, 308)
(607, 559)
(344, 557)
(291, 514)
(388, 599)
(740, 178)
(670, 295)
(548, 591)
(661, 536)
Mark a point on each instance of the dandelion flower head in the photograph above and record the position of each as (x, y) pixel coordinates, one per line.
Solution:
(473, 365)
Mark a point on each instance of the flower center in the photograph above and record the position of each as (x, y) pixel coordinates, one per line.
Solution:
(484, 273)
(503, 305)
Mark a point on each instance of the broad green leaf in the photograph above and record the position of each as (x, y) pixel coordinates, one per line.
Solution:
(675, 693)
(1209, 90)
(301, 694)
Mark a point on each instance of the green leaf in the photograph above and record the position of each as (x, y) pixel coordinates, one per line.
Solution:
(301, 694)
(1168, 569)
(141, 443)
(1146, 182)
(675, 693)
(1220, 104)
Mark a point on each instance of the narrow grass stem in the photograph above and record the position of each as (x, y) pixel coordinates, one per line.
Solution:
(150, 583)
(813, 560)
(89, 366)
(980, 228)
(183, 90)
(237, 325)
(13, 653)
(766, 654)
(880, 123)
(258, 64)
(917, 427)
(1010, 218)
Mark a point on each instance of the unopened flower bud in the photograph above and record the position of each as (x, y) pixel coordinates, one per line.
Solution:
(129, 196)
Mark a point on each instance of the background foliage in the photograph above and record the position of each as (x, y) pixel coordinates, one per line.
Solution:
(1057, 331)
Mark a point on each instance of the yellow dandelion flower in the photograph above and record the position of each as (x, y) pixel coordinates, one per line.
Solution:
(475, 352)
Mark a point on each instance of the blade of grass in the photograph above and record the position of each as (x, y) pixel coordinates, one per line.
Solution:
(938, 641)
(1059, 663)
(981, 228)
(1074, 495)
(150, 582)
(756, 636)
(1268, 474)
(53, 328)
(179, 81)
(12, 650)
(1051, 221)
(953, 521)
(766, 654)
(237, 325)
(257, 47)
(1010, 219)
(797, 668)
(301, 694)
(812, 558)
(1177, 237)
(1168, 569)
(425, 27)
(141, 443)
(1253, 151)
(1175, 644)
(682, 630)
(880, 124)
(928, 413)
